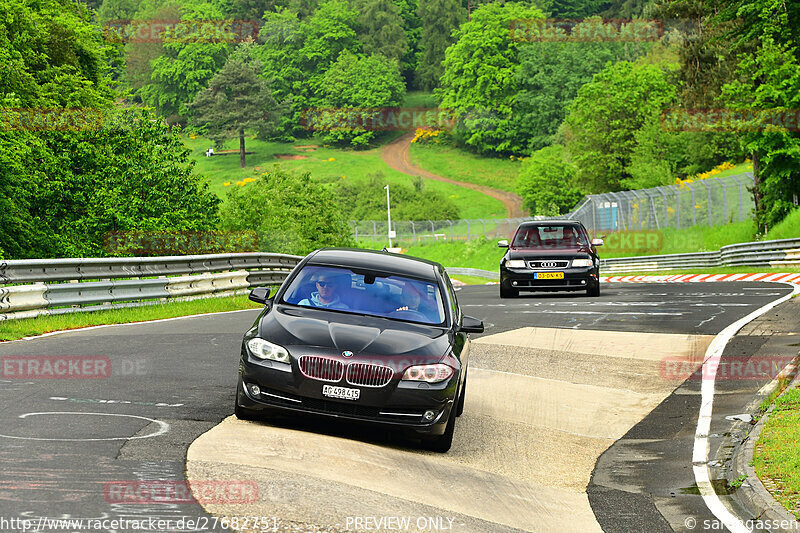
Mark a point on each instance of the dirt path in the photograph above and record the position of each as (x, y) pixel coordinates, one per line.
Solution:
(396, 155)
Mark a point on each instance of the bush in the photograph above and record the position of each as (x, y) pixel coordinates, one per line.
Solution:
(290, 212)
(546, 182)
(367, 201)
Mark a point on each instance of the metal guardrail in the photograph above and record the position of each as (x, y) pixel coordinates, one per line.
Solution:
(474, 272)
(781, 252)
(30, 288)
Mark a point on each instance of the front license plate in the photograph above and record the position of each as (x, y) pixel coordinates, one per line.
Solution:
(342, 393)
(549, 275)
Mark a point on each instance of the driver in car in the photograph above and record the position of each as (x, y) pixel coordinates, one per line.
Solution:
(327, 293)
(415, 301)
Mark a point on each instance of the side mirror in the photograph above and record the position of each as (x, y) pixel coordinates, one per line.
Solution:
(502, 244)
(260, 295)
(471, 325)
(597, 242)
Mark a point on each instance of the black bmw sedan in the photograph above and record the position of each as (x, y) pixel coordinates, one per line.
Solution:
(550, 256)
(361, 335)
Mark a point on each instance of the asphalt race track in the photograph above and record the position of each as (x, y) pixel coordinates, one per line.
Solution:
(555, 381)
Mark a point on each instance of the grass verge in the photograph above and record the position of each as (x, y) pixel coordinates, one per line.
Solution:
(777, 453)
(28, 327)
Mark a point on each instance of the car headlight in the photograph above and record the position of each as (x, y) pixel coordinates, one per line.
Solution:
(582, 262)
(515, 263)
(429, 373)
(267, 350)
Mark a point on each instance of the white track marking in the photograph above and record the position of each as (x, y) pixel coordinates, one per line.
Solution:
(702, 475)
(163, 427)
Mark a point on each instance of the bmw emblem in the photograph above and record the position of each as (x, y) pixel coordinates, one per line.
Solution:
(347, 353)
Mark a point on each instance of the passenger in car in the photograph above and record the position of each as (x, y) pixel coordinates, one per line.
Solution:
(327, 293)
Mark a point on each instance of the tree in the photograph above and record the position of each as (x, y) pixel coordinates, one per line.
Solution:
(480, 83)
(237, 99)
(132, 174)
(357, 85)
(768, 94)
(603, 119)
(440, 18)
(290, 212)
(547, 182)
(189, 62)
(52, 56)
(380, 29)
(297, 53)
(550, 75)
(576, 9)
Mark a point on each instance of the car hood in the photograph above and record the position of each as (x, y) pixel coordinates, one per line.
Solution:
(330, 332)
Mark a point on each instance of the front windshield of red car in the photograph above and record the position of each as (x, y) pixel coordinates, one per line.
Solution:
(551, 236)
(390, 296)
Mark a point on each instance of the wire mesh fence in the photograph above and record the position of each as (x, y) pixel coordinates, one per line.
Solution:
(711, 202)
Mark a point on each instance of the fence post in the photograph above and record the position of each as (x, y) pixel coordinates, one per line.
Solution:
(413, 232)
(677, 209)
(710, 216)
(496, 227)
(724, 203)
(694, 204)
(467, 221)
(355, 225)
(451, 229)
(483, 226)
(374, 231)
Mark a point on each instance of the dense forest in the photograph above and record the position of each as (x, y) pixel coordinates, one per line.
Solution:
(96, 95)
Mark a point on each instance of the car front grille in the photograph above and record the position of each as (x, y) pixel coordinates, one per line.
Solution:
(367, 375)
(548, 263)
(321, 368)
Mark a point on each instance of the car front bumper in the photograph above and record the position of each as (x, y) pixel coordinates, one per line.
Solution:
(524, 279)
(398, 404)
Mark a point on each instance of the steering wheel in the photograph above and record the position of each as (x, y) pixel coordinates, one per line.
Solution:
(409, 314)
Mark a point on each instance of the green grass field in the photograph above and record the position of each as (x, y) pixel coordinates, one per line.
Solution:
(461, 165)
(777, 452)
(28, 327)
(325, 164)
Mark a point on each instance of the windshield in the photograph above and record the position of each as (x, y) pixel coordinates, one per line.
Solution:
(554, 236)
(395, 297)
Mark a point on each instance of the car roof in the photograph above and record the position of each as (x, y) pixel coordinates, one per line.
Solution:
(374, 260)
(533, 223)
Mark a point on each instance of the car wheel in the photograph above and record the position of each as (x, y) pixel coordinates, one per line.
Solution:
(443, 442)
(593, 290)
(460, 403)
(241, 412)
(508, 293)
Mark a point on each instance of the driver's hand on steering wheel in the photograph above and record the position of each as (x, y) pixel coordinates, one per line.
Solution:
(404, 308)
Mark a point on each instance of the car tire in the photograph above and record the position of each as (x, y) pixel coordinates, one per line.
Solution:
(443, 442)
(243, 413)
(508, 293)
(460, 402)
(593, 290)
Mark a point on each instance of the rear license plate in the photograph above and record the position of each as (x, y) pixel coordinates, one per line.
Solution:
(342, 393)
(549, 275)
